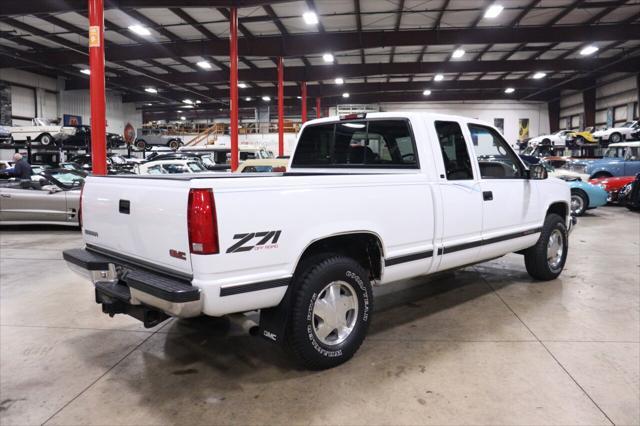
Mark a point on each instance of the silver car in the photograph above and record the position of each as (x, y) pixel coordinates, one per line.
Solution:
(53, 199)
(148, 138)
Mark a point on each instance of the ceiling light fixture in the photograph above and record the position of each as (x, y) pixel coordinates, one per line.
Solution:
(204, 65)
(438, 77)
(248, 99)
(179, 110)
(310, 18)
(345, 95)
(149, 104)
(140, 30)
(539, 75)
(426, 92)
(458, 53)
(509, 90)
(339, 80)
(242, 85)
(183, 118)
(493, 11)
(86, 71)
(266, 98)
(327, 57)
(589, 50)
(151, 90)
(198, 102)
(187, 101)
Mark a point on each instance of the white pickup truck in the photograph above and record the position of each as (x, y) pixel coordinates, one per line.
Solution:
(368, 200)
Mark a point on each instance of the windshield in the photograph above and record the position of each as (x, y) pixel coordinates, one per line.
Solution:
(529, 150)
(207, 160)
(265, 154)
(118, 159)
(614, 152)
(65, 178)
(627, 124)
(42, 122)
(195, 167)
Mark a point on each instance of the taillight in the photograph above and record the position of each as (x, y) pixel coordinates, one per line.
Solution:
(80, 207)
(202, 222)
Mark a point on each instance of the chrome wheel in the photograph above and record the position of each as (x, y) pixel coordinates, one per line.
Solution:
(335, 313)
(577, 204)
(555, 249)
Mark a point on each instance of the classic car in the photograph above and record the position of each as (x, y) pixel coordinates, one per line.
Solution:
(222, 153)
(5, 135)
(156, 137)
(618, 134)
(577, 138)
(52, 199)
(630, 194)
(619, 159)
(42, 130)
(612, 185)
(175, 166)
(116, 164)
(263, 166)
(82, 138)
(554, 139)
(207, 158)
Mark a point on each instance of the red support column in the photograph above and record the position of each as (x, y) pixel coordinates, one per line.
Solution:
(233, 83)
(303, 95)
(97, 88)
(318, 111)
(280, 107)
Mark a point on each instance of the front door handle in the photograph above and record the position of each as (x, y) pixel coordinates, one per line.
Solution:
(487, 195)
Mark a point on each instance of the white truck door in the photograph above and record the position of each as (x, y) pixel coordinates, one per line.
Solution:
(510, 202)
(461, 199)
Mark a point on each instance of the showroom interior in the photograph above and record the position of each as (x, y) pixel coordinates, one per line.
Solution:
(178, 243)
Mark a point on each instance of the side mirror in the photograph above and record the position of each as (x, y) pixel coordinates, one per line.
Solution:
(538, 172)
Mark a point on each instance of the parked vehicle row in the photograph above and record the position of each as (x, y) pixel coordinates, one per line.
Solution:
(629, 131)
(46, 133)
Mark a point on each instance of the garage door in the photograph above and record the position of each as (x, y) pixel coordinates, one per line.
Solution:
(23, 102)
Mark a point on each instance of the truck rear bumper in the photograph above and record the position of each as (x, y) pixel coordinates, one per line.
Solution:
(131, 290)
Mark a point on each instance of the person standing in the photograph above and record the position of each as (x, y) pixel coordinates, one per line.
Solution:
(22, 170)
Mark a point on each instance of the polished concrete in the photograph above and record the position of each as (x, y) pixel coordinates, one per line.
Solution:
(485, 345)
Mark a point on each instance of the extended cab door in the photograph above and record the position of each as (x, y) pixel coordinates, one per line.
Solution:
(460, 199)
(511, 214)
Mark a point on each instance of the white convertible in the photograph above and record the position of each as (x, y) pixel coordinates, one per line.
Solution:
(554, 139)
(43, 131)
(368, 200)
(618, 134)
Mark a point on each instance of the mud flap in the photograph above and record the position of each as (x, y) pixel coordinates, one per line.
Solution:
(274, 321)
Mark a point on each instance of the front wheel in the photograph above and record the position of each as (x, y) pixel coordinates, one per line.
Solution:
(546, 259)
(46, 140)
(579, 202)
(141, 145)
(615, 138)
(330, 312)
(174, 144)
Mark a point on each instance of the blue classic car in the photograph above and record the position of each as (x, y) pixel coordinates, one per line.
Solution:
(620, 159)
(584, 196)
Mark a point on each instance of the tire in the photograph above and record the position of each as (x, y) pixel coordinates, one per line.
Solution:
(174, 144)
(536, 258)
(46, 140)
(317, 344)
(579, 202)
(615, 137)
(141, 144)
(546, 142)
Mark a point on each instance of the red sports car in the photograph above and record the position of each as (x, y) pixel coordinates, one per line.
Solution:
(612, 185)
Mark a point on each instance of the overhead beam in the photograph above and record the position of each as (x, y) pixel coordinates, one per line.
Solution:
(293, 45)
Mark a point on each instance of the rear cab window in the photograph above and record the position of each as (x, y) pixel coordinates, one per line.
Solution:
(373, 143)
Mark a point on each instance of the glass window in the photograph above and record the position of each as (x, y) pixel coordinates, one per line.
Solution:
(155, 170)
(175, 168)
(376, 143)
(195, 167)
(454, 150)
(495, 159)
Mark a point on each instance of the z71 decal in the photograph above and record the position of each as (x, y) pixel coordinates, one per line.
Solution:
(255, 241)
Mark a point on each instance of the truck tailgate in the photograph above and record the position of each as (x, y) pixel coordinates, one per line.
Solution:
(144, 219)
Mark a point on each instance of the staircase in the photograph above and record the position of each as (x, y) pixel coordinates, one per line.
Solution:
(202, 138)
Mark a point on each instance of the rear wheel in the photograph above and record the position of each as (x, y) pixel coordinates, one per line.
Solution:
(174, 144)
(330, 312)
(141, 144)
(615, 137)
(46, 140)
(579, 202)
(546, 259)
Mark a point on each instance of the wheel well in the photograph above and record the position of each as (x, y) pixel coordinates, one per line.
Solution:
(559, 208)
(364, 248)
(600, 175)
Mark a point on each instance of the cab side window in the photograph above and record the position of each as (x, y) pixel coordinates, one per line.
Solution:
(455, 155)
(495, 158)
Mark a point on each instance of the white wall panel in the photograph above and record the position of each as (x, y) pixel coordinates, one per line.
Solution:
(50, 106)
(30, 79)
(77, 102)
(23, 101)
(617, 91)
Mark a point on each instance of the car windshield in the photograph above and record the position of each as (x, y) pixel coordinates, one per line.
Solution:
(207, 160)
(614, 152)
(42, 122)
(118, 159)
(263, 153)
(195, 166)
(627, 124)
(65, 178)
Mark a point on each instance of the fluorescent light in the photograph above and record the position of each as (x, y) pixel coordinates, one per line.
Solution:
(86, 71)
(339, 80)
(426, 92)
(327, 57)
(539, 75)
(299, 97)
(188, 106)
(151, 90)
(493, 11)
(266, 98)
(310, 18)
(183, 118)
(248, 99)
(140, 30)
(187, 101)
(509, 90)
(242, 85)
(588, 50)
(149, 104)
(179, 110)
(204, 65)
(458, 53)
(345, 95)
(198, 102)
(438, 77)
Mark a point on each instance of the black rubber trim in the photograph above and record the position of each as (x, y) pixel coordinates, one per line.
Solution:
(408, 258)
(247, 288)
(459, 247)
(162, 287)
(136, 263)
(86, 260)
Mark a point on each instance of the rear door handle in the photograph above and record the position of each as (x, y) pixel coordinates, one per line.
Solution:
(487, 196)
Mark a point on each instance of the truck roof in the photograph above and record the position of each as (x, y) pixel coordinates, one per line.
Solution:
(398, 114)
(629, 144)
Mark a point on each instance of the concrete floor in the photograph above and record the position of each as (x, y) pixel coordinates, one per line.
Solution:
(485, 345)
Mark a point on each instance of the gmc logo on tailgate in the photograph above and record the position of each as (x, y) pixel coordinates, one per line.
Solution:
(255, 241)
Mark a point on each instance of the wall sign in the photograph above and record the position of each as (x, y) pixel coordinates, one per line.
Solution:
(523, 129)
(71, 120)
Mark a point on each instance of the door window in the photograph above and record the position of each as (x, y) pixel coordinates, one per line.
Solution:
(455, 155)
(495, 158)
